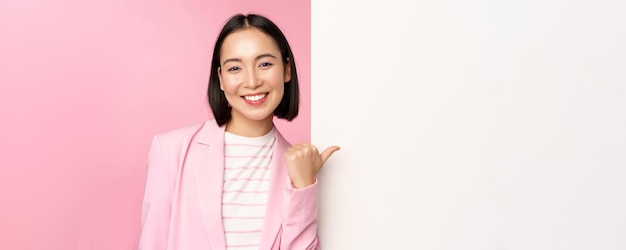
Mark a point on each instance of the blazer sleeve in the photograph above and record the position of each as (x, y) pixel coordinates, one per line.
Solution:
(156, 206)
(299, 219)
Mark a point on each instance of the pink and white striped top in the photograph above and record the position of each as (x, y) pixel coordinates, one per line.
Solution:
(246, 188)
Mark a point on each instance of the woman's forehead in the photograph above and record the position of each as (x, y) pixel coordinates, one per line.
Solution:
(248, 42)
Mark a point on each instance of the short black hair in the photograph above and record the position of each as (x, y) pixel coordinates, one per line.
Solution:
(289, 105)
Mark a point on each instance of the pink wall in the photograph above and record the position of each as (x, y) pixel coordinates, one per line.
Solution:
(83, 87)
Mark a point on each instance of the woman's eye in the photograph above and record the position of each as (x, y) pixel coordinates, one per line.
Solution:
(265, 64)
(235, 68)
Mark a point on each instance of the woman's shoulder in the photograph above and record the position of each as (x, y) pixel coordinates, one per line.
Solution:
(184, 134)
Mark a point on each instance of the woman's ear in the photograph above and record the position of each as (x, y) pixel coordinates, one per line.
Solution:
(287, 76)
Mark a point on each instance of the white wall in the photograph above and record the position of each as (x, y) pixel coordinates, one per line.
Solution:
(471, 124)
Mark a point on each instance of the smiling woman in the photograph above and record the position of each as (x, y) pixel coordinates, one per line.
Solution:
(235, 182)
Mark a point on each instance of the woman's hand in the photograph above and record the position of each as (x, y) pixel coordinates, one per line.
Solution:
(304, 162)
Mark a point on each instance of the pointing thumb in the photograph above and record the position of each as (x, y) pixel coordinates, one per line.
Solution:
(328, 152)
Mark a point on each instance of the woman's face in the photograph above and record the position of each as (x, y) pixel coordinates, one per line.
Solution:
(252, 75)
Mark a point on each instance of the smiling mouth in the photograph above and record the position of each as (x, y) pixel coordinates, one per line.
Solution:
(254, 98)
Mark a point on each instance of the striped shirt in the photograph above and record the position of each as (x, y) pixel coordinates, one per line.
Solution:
(246, 188)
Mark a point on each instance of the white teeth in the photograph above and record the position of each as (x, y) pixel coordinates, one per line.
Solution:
(254, 98)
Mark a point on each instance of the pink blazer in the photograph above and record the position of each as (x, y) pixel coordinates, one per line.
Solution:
(182, 198)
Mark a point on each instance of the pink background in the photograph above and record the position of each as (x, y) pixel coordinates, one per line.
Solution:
(84, 87)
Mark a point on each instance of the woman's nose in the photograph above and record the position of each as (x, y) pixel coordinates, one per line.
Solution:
(252, 80)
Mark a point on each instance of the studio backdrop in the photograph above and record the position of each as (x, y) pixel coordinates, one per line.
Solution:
(84, 85)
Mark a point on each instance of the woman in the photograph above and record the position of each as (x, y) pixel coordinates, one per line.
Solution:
(234, 182)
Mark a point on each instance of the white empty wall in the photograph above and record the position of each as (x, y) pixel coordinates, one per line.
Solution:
(471, 124)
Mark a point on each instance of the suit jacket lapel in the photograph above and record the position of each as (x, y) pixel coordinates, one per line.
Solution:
(278, 180)
(206, 155)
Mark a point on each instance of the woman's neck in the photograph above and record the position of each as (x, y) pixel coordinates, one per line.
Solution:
(250, 128)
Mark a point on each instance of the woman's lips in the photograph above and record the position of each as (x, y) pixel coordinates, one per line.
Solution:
(256, 99)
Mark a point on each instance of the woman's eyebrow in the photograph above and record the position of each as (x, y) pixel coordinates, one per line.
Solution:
(256, 58)
(265, 55)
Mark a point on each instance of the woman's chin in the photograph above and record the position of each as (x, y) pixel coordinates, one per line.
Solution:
(259, 116)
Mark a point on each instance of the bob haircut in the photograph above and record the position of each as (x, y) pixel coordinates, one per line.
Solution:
(288, 106)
